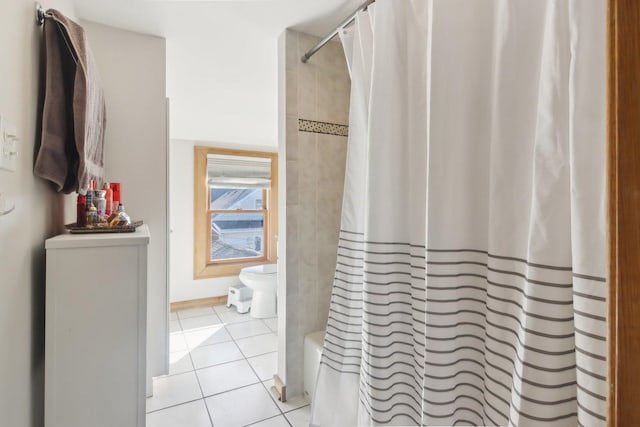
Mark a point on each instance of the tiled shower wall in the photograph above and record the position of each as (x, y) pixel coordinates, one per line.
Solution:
(315, 147)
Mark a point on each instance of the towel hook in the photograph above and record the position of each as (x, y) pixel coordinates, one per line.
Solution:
(41, 14)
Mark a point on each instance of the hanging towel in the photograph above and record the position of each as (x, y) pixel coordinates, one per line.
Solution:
(73, 115)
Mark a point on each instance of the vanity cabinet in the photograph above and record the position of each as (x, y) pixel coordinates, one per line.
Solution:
(95, 333)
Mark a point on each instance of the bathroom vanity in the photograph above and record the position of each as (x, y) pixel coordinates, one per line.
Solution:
(95, 334)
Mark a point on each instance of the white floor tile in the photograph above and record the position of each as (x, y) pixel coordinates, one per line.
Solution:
(265, 365)
(229, 318)
(230, 314)
(247, 329)
(206, 336)
(180, 362)
(260, 344)
(177, 342)
(194, 312)
(198, 322)
(173, 315)
(174, 326)
(291, 403)
(222, 308)
(278, 421)
(173, 390)
(221, 378)
(209, 355)
(300, 417)
(231, 409)
(193, 414)
(272, 323)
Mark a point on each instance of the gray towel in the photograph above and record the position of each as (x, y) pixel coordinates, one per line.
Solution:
(73, 116)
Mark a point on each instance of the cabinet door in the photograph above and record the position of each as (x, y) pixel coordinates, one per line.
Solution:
(95, 337)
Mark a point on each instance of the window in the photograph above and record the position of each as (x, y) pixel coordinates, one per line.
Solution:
(237, 223)
(235, 204)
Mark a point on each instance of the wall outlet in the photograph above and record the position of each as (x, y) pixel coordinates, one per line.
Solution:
(8, 145)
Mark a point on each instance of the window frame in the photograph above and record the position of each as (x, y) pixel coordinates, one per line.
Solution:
(203, 266)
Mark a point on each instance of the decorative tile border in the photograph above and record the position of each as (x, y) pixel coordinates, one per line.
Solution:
(322, 127)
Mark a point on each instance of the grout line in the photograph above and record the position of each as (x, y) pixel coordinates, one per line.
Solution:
(291, 410)
(220, 364)
(202, 368)
(273, 399)
(287, 420)
(256, 355)
(244, 357)
(258, 376)
(270, 418)
(228, 361)
(201, 391)
(261, 354)
(173, 406)
(231, 389)
(256, 335)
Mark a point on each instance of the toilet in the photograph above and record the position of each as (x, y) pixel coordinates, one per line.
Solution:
(263, 279)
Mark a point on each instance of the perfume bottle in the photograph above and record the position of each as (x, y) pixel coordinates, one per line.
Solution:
(120, 218)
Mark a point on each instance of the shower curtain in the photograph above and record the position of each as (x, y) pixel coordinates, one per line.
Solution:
(470, 281)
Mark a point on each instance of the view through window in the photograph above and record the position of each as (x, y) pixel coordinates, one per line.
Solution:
(237, 223)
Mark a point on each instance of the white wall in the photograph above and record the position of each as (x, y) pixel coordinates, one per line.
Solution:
(40, 213)
(224, 88)
(132, 67)
(183, 286)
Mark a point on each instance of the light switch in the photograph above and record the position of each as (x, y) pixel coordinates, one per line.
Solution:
(8, 145)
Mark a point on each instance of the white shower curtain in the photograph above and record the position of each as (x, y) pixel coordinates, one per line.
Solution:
(469, 287)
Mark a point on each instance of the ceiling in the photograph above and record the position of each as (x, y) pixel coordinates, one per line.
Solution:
(208, 18)
(222, 57)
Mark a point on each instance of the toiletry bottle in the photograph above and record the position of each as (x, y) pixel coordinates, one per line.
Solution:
(89, 200)
(81, 214)
(121, 217)
(117, 195)
(100, 203)
(92, 215)
(109, 197)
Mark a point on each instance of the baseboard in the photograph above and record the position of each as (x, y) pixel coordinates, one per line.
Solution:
(279, 389)
(183, 305)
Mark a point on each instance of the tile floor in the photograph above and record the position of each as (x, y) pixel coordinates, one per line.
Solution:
(221, 373)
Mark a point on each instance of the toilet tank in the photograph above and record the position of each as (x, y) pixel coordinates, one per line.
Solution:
(312, 352)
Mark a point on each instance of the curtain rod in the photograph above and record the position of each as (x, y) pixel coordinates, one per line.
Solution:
(333, 33)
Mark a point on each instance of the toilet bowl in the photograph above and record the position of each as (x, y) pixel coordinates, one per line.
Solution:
(263, 279)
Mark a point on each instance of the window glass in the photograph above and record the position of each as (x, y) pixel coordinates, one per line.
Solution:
(237, 229)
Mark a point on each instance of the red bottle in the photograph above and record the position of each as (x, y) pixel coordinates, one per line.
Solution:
(81, 215)
(117, 195)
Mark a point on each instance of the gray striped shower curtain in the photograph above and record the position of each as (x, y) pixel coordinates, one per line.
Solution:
(470, 281)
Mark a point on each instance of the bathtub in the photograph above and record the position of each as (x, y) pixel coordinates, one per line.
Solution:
(312, 352)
